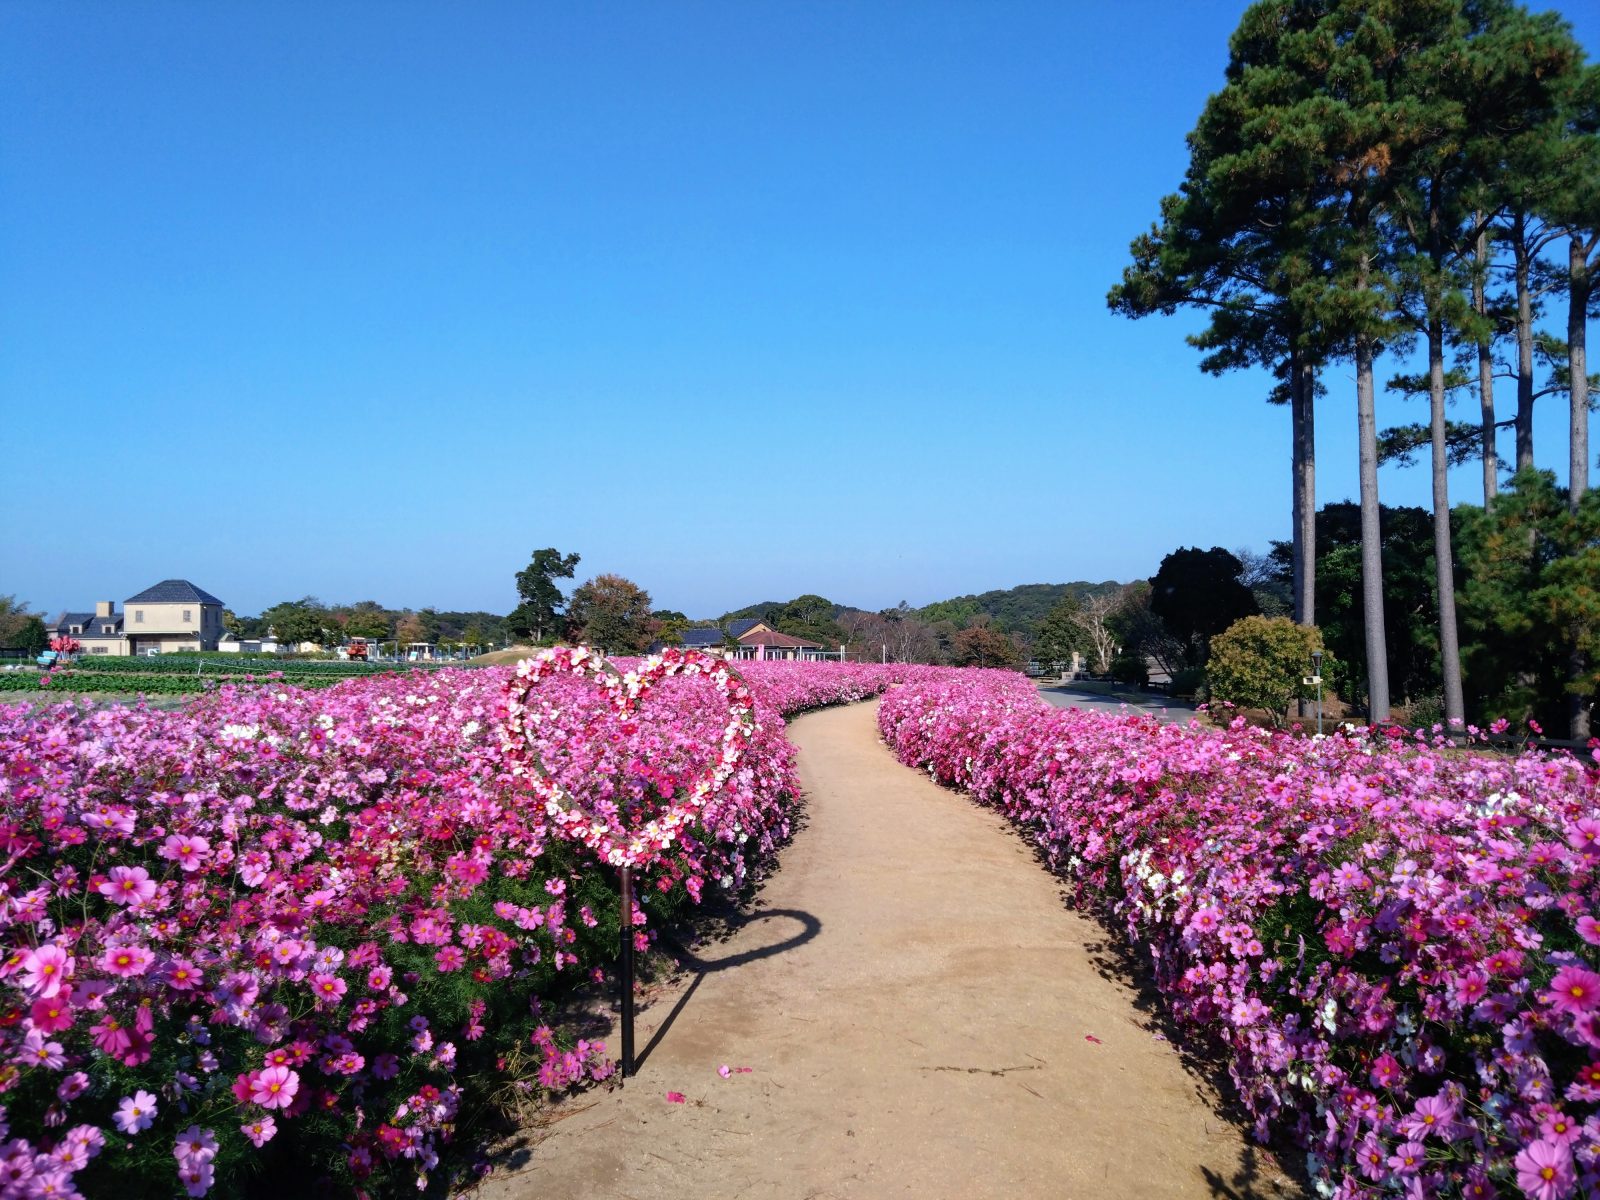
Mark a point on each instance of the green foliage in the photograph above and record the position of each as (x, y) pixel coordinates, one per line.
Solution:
(811, 617)
(33, 638)
(1197, 594)
(670, 625)
(1410, 607)
(1530, 600)
(1059, 634)
(1130, 667)
(296, 621)
(14, 621)
(1261, 662)
(1189, 683)
(541, 598)
(1020, 610)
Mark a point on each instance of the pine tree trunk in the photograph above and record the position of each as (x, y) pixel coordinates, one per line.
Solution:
(1581, 280)
(1524, 267)
(1371, 539)
(1444, 558)
(1480, 305)
(1305, 493)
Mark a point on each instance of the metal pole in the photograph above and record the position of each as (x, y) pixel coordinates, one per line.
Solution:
(1319, 705)
(626, 971)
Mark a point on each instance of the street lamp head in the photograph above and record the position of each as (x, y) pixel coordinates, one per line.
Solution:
(1316, 657)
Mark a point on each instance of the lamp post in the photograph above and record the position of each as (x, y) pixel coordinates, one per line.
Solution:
(1316, 673)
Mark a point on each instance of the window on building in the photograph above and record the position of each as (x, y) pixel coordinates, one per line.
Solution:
(76, 629)
(98, 649)
(188, 614)
(138, 615)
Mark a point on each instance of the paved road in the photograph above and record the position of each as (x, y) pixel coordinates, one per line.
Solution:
(921, 1017)
(1160, 707)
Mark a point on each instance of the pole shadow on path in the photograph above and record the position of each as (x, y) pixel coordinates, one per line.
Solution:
(810, 926)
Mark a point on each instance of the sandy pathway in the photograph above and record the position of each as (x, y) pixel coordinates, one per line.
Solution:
(917, 1005)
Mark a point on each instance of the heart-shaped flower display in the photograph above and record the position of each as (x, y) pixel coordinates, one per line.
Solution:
(626, 691)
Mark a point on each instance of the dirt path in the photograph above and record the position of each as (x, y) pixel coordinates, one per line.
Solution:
(923, 1018)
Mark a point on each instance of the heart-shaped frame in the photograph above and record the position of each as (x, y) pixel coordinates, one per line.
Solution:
(626, 691)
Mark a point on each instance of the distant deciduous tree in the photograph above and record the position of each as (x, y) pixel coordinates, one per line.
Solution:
(984, 646)
(296, 621)
(613, 614)
(14, 616)
(410, 629)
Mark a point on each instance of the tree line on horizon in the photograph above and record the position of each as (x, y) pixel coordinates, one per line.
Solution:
(1418, 179)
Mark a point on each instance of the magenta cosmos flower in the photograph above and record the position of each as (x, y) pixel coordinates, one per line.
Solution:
(1574, 990)
(274, 1087)
(1544, 1171)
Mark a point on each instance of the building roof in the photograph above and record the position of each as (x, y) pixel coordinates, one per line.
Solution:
(743, 626)
(92, 624)
(780, 640)
(173, 591)
(702, 637)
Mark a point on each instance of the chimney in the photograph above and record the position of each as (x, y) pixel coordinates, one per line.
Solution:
(105, 608)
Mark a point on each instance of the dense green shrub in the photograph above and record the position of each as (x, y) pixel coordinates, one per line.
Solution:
(1131, 668)
(1190, 681)
(1262, 662)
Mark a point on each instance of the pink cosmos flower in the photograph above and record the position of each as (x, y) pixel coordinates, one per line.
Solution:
(327, 988)
(1584, 835)
(53, 1183)
(197, 1175)
(44, 970)
(449, 958)
(51, 1016)
(1544, 1171)
(188, 852)
(125, 962)
(195, 1143)
(1408, 1158)
(1434, 1116)
(1386, 1072)
(72, 1087)
(259, 1131)
(274, 1087)
(1574, 990)
(183, 976)
(1560, 1129)
(128, 885)
(35, 1051)
(136, 1113)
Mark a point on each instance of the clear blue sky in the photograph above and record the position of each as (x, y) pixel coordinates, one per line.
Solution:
(740, 300)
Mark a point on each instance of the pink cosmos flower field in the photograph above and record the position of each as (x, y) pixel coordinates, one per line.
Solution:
(1395, 944)
(285, 938)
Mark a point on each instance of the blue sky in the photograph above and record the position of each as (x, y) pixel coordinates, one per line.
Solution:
(740, 300)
